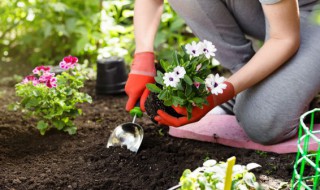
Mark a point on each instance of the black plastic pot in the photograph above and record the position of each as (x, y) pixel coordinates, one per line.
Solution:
(111, 76)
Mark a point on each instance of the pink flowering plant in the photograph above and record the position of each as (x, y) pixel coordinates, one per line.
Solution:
(188, 80)
(52, 98)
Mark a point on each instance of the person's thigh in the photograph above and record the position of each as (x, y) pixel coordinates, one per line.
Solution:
(269, 112)
(214, 20)
(249, 16)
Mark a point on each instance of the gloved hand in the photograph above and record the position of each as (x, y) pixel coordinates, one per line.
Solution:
(142, 72)
(197, 113)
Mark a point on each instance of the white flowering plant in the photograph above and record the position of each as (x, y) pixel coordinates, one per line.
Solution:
(212, 176)
(52, 99)
(188, 81)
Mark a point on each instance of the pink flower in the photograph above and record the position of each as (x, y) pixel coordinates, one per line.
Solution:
(39, 69)
(68, 62)
(45, 77)
(198, 67)
(52, 82)
(196, 84)
(31, 78)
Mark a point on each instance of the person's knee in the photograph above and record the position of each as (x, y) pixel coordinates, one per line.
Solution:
(266, 128)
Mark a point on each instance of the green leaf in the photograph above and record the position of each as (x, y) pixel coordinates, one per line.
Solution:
(65, 120)
(189, 110)
(159, 79)
(42, 127)
(88, 98)
(58, 124)
(162, 95)
(161, 37)
(80, 45)
(176, 100)
(175, 58)
(60, 28)
(168, 102)
(47, 29)
(32, 103)
(177, 24)
(187, 79)
(179, 86)
(198, 100)
(59, 7)
(71, 130)
(71, 24)
(197, 79)
(165, 65)
(153, 88)
(188, 90)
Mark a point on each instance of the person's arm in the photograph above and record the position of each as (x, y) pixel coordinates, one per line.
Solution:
(147, 14)
(284, 41)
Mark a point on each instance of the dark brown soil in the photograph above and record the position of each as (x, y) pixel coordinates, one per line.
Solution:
(60, 161)
(153, 104)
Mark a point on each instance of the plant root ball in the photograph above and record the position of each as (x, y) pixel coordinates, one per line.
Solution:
(153, 104)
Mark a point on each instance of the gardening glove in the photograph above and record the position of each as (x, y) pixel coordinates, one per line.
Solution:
(142, 72)
(164, 118)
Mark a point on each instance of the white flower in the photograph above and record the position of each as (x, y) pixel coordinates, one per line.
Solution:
(215, 62)
(207, 48)
(251, 166)
(170, 79)
(179, 72)
(193, 49)
(209, 163)
(238, 169)
(215, 84)
(220, 186)
(242, 187)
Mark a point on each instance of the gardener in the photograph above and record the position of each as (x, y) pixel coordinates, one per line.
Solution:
(273, 86)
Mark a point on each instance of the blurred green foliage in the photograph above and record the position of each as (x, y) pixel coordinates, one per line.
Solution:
(44, 31)
(316, 14)
(41, 32)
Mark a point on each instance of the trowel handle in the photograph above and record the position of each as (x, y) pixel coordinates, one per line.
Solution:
(136, 111)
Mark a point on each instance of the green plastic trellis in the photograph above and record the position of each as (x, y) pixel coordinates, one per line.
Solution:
(306, 158)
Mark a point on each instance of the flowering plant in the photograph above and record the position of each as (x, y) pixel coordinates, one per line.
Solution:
(212, 176)
(188, 81)
(52, 99)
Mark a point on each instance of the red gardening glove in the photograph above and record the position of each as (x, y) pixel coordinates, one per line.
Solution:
(142, 72)
(197, 113)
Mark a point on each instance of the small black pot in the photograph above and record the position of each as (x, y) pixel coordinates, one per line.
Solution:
(111, 76)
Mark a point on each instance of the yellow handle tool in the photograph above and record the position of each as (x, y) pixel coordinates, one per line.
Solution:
(228, 180)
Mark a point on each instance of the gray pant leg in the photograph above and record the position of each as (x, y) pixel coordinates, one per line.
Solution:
(269, 112)
(214, 20)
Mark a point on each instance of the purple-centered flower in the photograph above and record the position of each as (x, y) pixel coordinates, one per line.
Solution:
(39, 69)
(207, 48)
(215, 84)
(170, 79)
(193, 49)
(30, 78)
(179, 71)
(68, 62)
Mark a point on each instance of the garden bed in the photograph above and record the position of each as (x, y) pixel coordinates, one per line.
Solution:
(60, 161)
